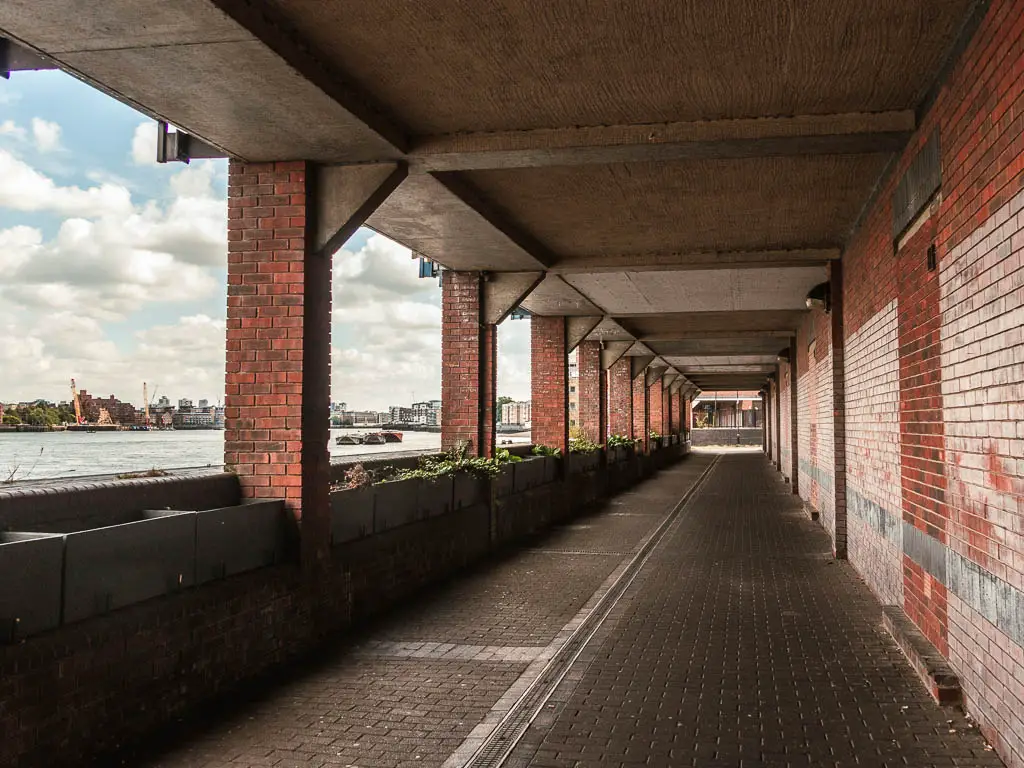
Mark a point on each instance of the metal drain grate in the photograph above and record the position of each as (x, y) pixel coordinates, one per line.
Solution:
(503, 739)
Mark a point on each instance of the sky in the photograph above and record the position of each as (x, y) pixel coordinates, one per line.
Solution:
(113, 269)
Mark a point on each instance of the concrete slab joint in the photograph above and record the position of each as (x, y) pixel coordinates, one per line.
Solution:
(504, 291)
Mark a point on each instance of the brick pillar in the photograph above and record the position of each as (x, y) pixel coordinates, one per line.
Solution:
(641, 413)
(550, 381)
(764, 428)
(278, 370)
(656, 407)
(777, 389)
(675, 412)
(794, 376)
(620, 398)
(468, 365)
(838, 406)
(769, 447)
(591, 414)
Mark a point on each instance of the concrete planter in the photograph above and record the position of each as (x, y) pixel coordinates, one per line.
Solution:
(552, 468)
(241, 538)
(504, 483)
(435, 497)
(395, 504)
(351, 514)
(107, 568)
(470, 490)
(30, 583)
(583, 462)
(530, 473)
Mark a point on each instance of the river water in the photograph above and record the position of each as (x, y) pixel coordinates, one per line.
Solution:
(43, 455)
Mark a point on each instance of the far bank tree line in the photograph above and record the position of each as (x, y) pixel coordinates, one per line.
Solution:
(39, 414)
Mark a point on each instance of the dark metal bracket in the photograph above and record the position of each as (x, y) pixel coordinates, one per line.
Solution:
(181, 147)
(17, 58)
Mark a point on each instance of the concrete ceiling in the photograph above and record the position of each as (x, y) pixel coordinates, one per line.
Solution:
(685, 170)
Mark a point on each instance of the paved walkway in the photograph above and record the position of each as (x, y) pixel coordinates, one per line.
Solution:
(717, 632)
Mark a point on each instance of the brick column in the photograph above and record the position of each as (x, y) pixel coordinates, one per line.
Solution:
(838, 405)
(656, 407)
(468, 365)
(794, 376)
(764, 428)
(769, 447)
(550, 381)
(675, 412)
(641, 413)
(592, 414)
(620, 398)
(777, 389)
(278, 370)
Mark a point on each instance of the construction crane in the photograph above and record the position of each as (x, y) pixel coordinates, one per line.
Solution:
(145, 401)
(78, 404)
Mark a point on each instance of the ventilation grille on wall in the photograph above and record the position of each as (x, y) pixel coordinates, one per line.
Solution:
(917, 186)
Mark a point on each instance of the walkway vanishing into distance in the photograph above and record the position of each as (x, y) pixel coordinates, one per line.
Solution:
(698, 620)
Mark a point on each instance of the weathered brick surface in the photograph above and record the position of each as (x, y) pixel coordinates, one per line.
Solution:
(620, 398)
(641, 413)
(959, 363)
(786, 421)
(656, 400)
(468, 365)
(277, 386)
(815, 423)
(549, 377)
(592, 391)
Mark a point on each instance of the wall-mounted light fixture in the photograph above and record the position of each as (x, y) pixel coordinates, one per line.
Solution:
(783, 356)
(819, 297)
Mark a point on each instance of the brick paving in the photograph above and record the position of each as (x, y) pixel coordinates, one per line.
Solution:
(743, 643)
(740, 643)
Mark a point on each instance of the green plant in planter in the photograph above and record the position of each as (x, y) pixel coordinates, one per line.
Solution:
(620, 441)
(582, 445)
(655, 435)
(449, 463)
(503, 456)
(546, 450)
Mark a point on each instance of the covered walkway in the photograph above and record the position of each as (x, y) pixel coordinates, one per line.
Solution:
(699, 619)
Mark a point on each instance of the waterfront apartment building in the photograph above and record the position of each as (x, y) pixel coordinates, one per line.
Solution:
(519, 413)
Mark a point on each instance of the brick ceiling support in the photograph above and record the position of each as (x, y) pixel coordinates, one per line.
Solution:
(620, 398)
(593, 393)
(549, 381)
(285, 220)
(468, 365)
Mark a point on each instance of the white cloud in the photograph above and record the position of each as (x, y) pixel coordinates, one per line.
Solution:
(45, 134)
(110, 257)
(9, 128)
(144, 144)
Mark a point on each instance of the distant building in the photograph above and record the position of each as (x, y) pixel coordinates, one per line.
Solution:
(358, 418)
(518, 413)
(204, 404)
(199, 418)
(427, 413)
(120, 412)
(574, 392)
(184, 404)
(398, 414)
(727, 409)
(163, 402)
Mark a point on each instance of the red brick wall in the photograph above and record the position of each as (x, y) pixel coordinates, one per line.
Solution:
(468, 366)
(786, 449)
(676, 412)
(591, 376)
(949, 342)
(277, 384)
(620, 398)
(656, 401)
(667, 400)
(815, 419)
(550, 382)
(641, 413)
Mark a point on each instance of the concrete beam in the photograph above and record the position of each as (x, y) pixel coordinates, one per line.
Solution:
(17, 58)
(654, 372)
(670, 378)
(428, 217)
(556, 298)
(638, 364)
(612, 351)
(345, 195)
(504, 291)
(579, 327)
(675, 262)
(802, 135)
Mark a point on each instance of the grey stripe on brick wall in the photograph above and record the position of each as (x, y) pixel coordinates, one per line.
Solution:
(995, 599)
(816, 473)
(876, 517)
(926, 551)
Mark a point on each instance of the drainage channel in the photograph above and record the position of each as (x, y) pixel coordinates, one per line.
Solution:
(502, 740)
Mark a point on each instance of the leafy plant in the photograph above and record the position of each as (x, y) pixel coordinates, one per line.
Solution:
(546, 450)
(620, 441)
(655, 435)
(582, 445)
(503, 456)
(455, 460)
(147, 473)
(356, 476)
